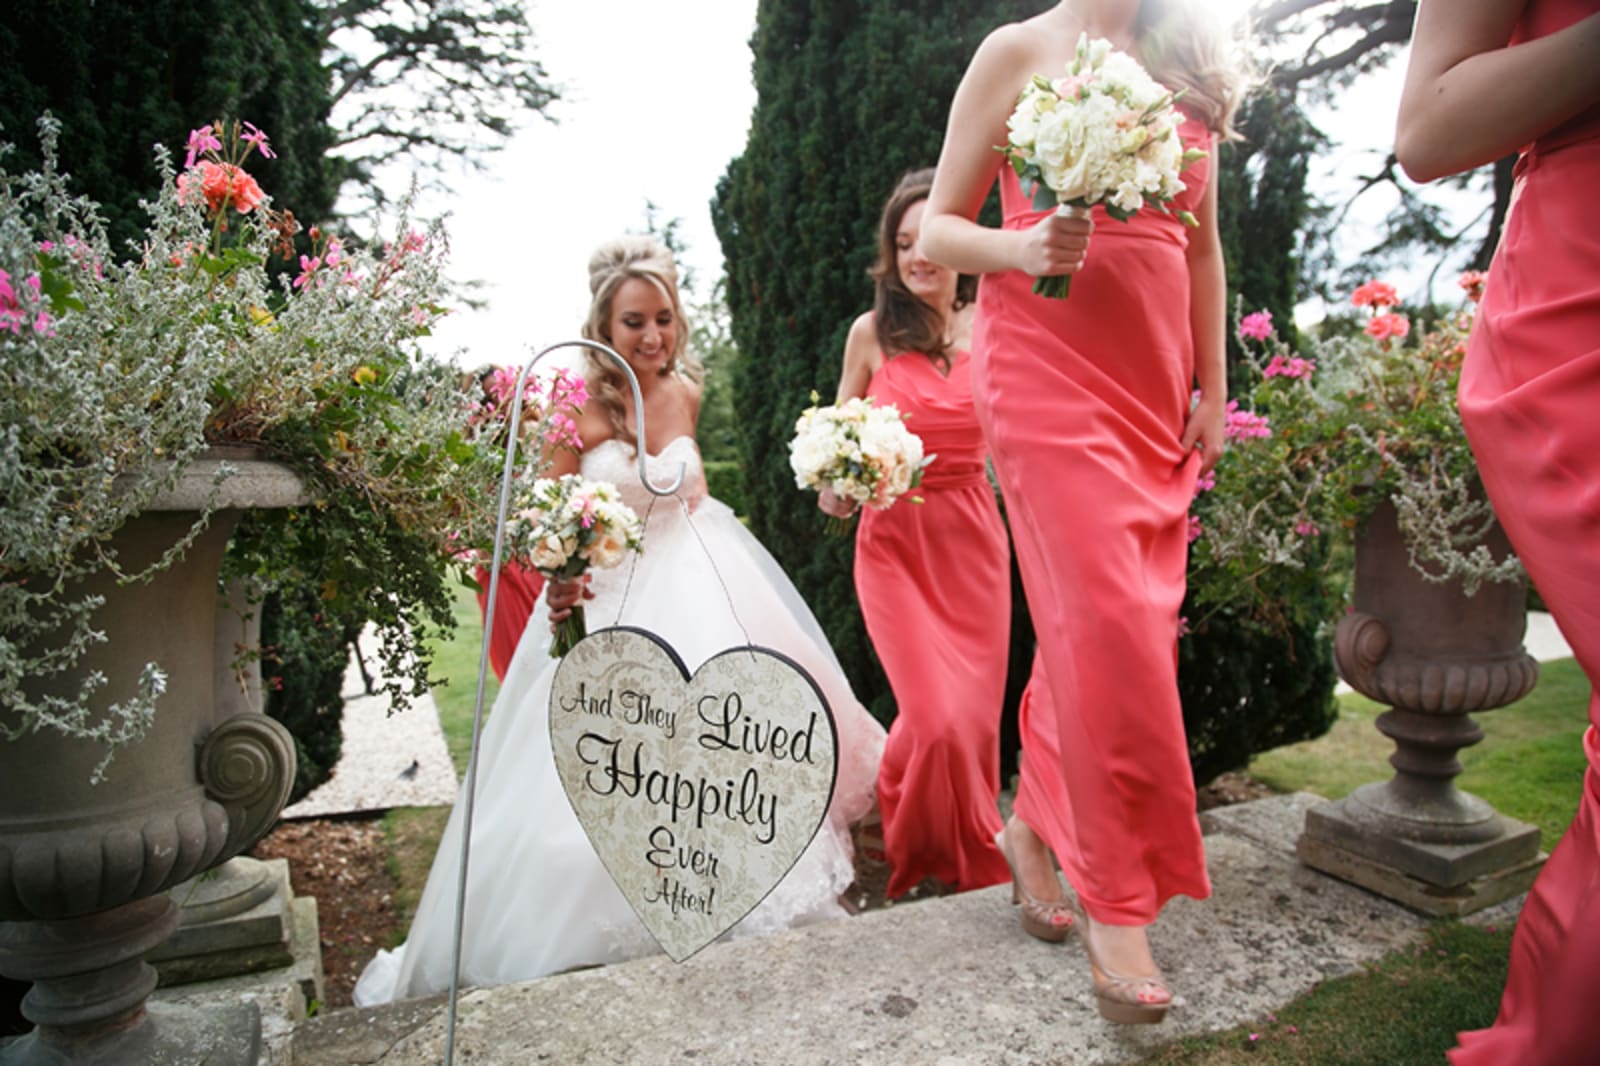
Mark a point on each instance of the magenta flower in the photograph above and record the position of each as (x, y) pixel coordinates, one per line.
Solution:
(201, 141)
(308, 270)
(1291, 367)
(1196, 531)
(1306, 529)
(1256, 326)
(1244, 425)
(257, 140)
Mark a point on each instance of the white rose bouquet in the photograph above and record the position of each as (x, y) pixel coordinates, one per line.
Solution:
(1104, 133)
(861, 452)
(565, 525)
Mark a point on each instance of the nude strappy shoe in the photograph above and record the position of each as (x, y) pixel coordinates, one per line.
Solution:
(1050, 920)
(1141, 1000)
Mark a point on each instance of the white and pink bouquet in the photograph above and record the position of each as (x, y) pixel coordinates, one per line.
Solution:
(1105, 132)
(861, 452)
(565, 525)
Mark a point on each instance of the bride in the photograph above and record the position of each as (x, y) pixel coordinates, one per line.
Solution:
(538, 899)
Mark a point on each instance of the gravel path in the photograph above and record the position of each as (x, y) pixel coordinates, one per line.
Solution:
(388, 760)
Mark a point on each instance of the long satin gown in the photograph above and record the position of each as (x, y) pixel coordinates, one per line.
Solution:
(539, 901)
(514, 602)
(943, 642)
(1530, 396)
(1084, 402)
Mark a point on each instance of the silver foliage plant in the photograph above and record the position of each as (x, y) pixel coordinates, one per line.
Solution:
(116, 371)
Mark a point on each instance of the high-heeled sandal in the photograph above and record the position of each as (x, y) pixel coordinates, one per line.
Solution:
(1050, 920)
(1141, 1000)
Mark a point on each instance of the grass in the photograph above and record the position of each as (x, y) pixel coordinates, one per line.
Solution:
(1529, 765)
(1405, 1008)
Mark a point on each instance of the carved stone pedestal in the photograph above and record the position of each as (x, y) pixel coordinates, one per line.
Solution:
(1434, 655)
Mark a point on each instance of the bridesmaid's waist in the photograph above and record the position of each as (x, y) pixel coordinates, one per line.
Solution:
(944, 476)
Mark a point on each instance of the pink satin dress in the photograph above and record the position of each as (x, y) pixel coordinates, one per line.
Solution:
(1530, 399)
(514, 601)
(933, 580)
(1084, 402)
(934, 583)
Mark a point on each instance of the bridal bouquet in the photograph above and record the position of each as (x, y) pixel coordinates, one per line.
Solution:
(862, 452)
(1104, 133)
(565, 525)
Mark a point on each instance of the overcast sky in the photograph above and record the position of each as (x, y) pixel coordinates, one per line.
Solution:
(657, 99)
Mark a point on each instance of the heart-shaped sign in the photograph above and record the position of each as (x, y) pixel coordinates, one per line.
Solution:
(698, 793)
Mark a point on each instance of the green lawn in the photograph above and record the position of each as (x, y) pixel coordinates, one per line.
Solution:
(455, 660)
(1528, 766)
(1408, 1006)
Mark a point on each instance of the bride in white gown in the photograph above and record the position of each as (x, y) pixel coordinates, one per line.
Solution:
(539, 901)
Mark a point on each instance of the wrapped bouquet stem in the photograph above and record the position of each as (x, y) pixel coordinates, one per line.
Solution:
(1103, 133)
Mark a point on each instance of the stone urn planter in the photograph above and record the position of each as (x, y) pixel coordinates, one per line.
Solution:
(84, 867)
(1434, 655)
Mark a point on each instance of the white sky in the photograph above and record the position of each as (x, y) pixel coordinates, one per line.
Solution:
(655, 103)
(657, 99)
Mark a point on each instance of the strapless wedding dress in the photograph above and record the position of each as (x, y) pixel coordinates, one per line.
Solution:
(538, 899)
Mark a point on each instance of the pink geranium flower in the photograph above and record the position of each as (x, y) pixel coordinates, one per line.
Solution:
(1471, 283)
(1375, 294)
(201, 141)
(222, 185)
(1384, 326)
(1196, 531)
(1244, 425)
(257, 140)
(1289, 367)
(1256, 325)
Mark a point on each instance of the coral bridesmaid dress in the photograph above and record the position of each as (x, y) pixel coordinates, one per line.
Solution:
(514, 602)
(1530, 392)
(1084, 403)
(934, 583)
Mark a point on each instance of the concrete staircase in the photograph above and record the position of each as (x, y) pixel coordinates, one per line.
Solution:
(943, 981)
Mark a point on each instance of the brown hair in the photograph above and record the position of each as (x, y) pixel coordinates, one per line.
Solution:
(614, 262)
(1184, 46)
(904, 323)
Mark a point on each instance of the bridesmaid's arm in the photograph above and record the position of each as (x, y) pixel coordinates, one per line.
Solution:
(861, 360)
(1470, 99)
(968, 164)
(1208, 305)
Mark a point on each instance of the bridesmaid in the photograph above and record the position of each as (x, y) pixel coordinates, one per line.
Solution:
(1488, 78)
(916, 566)
(1086, 404)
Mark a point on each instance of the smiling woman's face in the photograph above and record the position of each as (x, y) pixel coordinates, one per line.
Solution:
(643, 326)
(929, 282)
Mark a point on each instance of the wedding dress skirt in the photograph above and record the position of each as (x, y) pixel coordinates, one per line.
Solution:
(539, 901)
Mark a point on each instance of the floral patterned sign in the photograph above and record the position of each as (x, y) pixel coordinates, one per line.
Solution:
(698, 793)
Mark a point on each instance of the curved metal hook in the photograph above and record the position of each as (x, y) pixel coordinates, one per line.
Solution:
(470, 788)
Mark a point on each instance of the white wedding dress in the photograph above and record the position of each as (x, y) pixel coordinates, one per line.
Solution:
(538, 899)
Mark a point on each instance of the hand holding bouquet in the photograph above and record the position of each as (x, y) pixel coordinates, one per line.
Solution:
(1105, 133)
(861, 453)
(566, 525)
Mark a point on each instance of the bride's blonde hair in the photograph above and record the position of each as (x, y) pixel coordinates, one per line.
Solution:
(1184, 45)
(612, 264)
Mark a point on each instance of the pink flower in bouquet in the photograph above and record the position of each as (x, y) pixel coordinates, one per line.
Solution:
(1375, 294)
(1257, 325)
(1383, 327)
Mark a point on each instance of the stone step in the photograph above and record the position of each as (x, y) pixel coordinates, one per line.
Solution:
(948, 980)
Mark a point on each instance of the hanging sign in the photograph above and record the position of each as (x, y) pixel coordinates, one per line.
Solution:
(697, 792)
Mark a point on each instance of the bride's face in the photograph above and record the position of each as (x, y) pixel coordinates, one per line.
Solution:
(644, 329)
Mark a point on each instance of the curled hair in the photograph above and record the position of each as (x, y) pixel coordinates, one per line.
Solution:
(612, 264)
(903, 322)
(1186, 47)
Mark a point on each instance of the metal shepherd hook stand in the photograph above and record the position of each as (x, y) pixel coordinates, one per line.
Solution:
(488, 631)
